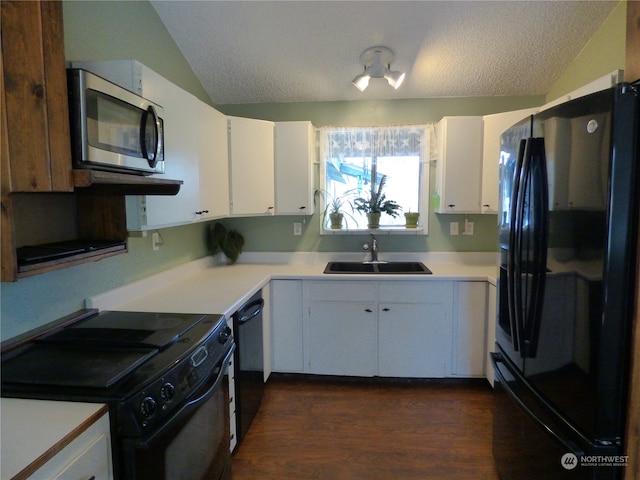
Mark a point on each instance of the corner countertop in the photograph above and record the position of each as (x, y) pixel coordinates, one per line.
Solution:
(33, 431)
(209, 286)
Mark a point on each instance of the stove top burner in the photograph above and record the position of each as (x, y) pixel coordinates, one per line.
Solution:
(99, 351)
(126, 329)
(53, 365)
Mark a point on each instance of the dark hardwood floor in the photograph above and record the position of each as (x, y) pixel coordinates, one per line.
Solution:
(325, 429)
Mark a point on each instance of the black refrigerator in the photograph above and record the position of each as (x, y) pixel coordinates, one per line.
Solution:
(567, 244)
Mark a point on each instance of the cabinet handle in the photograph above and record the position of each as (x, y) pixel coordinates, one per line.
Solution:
(302, 208)
(201, 212)
(451, 205)
(386, 309)
(368, 310)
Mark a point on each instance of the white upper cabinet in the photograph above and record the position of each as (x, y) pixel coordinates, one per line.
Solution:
(195, 149)
(494, 126)
(459, 165)
(251, 166)
(295, 153)
(213, 152)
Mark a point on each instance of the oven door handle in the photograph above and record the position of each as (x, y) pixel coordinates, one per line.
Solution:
(188, 407)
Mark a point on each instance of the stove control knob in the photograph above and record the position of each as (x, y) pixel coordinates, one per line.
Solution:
(167, 392)
(224, 335)
(148, 407)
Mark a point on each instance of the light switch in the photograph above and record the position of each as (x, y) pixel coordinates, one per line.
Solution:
(453, 228)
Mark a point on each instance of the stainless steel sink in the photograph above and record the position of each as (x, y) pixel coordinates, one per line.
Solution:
(389, 268)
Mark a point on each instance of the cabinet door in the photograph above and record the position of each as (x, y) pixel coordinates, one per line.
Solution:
(493, 127)
(213, 161)
(469, 329)
(491, 331)
(415, 329)
(286, 330)
(343, 338)
(459, 164)
(181, 158)
(294, 157)
(251, 157)
(35, 93)
(87, 456)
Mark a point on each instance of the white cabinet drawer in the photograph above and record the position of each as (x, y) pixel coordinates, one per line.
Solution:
(339, 291)
(416, 292)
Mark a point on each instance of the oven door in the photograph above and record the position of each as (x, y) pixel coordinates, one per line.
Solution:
(193, 444)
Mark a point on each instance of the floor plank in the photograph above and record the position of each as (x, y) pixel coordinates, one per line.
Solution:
(321, 429)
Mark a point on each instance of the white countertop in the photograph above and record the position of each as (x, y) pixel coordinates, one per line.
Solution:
(35, 430)
(204, 286)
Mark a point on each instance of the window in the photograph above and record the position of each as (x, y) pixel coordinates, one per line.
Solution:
(353, 160)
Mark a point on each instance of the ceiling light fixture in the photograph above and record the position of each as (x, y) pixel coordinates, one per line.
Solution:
(377, 64)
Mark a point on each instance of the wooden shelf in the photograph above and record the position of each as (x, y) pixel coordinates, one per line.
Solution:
(65, 262)
(111, 183)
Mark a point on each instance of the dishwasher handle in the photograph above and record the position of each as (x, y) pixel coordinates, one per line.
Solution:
(250, 310)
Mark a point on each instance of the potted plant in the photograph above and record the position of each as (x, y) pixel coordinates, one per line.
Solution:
(411, 219)
(229, 242)
(334, 207)
(376, 203)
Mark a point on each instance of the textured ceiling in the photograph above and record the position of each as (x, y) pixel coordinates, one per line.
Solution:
(303, 51)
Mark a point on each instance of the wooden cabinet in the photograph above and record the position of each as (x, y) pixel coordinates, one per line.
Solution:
(251, 166)
(493, 127)
(295, 152)
(414, 329)
(286, 326)
(37, 156)
(459, 165)
(469, 329)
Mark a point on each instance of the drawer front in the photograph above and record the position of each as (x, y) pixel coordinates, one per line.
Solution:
(416, 292)
(341, 291)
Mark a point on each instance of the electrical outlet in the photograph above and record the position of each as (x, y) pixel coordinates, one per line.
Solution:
(297, 228)
(468, 228)
(453, 228)
(155, 241)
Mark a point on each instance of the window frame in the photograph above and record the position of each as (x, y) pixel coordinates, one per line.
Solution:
(426, 153)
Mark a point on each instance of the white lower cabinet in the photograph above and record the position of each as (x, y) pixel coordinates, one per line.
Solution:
(469, 329)
(492, 313)
(378, 328)
(87, 456)
(286, 326)
(414, 329)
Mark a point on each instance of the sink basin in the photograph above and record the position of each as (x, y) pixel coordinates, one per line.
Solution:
(411, 268)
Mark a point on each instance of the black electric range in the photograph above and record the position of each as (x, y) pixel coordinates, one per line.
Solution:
(145, 366)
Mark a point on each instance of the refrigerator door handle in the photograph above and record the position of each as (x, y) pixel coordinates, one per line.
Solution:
(513, 296)
(536, 264)
(498, 365)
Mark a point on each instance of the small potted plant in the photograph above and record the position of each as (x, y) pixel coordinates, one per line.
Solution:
(376, 203)
(334, 206)
(411, 219)
(229, 242)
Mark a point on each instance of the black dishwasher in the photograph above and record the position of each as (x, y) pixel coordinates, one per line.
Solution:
(249, 362)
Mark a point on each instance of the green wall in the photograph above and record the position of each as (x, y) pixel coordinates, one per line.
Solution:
(104, 30)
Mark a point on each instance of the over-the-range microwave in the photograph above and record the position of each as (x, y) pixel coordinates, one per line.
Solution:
(112, 128)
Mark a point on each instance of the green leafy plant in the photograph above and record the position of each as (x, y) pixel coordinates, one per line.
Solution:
(229, 242)
(335, 206)
(376, 201)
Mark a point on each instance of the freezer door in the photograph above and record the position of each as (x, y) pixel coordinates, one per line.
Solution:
(532, 442)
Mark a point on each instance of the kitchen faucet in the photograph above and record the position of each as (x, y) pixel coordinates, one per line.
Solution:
(373, 246)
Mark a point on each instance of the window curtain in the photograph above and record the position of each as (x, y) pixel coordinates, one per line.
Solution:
(340, 142)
